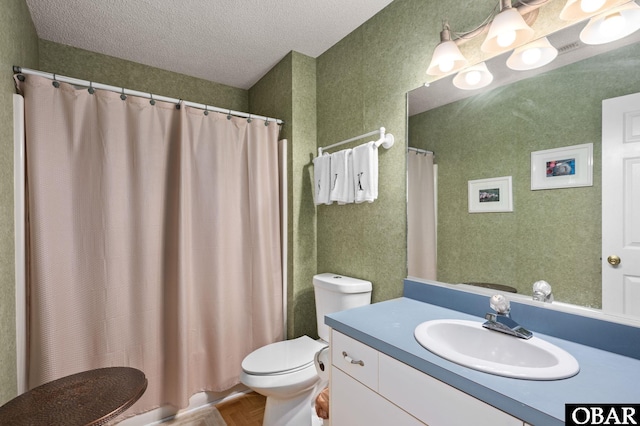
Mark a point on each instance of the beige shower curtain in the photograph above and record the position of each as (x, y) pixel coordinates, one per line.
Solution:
(421, 216)
(154, 240)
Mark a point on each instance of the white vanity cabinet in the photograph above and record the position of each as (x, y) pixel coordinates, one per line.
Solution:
(355, 400)
(371, 388)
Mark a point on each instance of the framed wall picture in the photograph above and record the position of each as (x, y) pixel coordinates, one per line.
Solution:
(491, 195)
(566, 167)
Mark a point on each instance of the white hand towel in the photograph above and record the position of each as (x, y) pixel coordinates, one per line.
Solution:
(322, 179)
(342, 189)
(365, 172)
(351, 197)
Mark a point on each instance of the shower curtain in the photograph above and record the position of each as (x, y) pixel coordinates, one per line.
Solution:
(421, 216)
(153, 240)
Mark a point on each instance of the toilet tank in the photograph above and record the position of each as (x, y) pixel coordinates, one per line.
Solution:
(335, 293)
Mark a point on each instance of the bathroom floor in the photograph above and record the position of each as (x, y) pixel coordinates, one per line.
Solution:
(246, 410)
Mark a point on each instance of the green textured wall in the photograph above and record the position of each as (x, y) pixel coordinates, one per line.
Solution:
(288, 92)
(553, 235)
(18, 46)
(304, 214)
(86, 65)
(362, 85)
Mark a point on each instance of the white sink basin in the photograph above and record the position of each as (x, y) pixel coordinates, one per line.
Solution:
(468, 343)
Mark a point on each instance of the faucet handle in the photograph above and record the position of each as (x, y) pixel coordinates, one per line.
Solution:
(542, 291)
(500, 304)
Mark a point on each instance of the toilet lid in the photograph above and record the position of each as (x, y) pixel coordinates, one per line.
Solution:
(282, 357)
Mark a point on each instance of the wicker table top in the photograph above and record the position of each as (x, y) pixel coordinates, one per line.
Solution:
(89, 398)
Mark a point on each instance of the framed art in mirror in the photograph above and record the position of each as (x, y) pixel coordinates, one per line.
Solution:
(491, 195)
(566, 167)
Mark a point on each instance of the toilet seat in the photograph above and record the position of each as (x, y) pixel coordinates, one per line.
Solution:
(282, 357)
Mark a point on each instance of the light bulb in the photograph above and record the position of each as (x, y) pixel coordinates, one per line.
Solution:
(531, 56)
(506, 38)
(473, 77)
(589, 6)
(446, 65)
(612, 25)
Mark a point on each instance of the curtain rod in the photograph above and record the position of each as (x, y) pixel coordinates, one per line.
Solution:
(386, 140)
(419, 151)
(90, 84)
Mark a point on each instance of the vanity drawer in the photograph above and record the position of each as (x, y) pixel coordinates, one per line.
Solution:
(354, 358)
(353, 404)
(435, 402)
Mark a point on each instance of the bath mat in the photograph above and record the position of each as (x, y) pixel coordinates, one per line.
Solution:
(204, 417)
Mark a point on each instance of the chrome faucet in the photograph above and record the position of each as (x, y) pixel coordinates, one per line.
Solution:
(501, 321)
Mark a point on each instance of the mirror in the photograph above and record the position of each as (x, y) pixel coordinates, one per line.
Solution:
(552, 234)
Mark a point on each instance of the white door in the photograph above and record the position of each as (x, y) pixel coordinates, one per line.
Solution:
(621, 205)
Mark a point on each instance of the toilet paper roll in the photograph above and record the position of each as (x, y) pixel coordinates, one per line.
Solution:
(321, 360)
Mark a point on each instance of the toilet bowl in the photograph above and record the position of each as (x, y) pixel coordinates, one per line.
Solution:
(285, 372)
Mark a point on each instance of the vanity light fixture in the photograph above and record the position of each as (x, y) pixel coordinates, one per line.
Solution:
(474, 77)
(508, 29)
(532, 55)
(446, 57)
(612, 25)
(580, 9)
(505, 30)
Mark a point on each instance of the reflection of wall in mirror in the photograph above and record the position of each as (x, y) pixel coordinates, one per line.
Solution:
(554, 235)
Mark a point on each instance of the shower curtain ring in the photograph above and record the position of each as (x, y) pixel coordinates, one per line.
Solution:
(206, 110)
(266, 122)
(152, 101)
(123, 96)
(249, 119)
(229, 115)
(91, 90)
(55, 82)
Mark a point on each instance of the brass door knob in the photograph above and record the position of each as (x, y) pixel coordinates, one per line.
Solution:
(613, 260)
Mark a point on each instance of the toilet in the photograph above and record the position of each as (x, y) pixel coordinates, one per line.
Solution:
(285, 372)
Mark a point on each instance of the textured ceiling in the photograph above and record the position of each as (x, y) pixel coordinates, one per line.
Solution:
(233, 42)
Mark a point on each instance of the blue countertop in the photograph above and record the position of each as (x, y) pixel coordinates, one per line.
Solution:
(604, 377)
